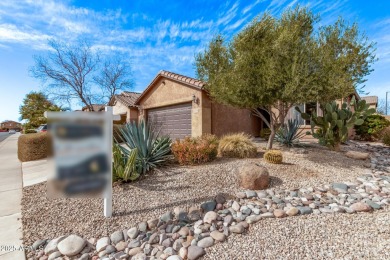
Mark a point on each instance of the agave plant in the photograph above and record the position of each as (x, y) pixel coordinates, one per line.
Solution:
(289, 134)
(153, 149)
(124, 167)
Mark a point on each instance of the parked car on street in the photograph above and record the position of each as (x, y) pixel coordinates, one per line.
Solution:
(11, 131)
(42, 128)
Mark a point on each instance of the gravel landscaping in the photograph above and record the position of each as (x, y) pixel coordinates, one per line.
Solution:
(184, 187)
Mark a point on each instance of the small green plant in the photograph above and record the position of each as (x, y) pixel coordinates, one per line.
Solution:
(273, 156)
(237, 145)
(371, 128)
(30, 131)
(386, 136)
(152, 150)
(332, 128)
(265, 133)
(124, 168)
(195, 150)
(289, 134)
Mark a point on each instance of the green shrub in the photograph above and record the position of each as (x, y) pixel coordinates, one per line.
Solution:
(195, 150)
(237, 145)
(289, 134)
(34, 146)
(152, 149)
(124, 168)
(386, 136)
(265, 133)
(371, 128)
(30, 131)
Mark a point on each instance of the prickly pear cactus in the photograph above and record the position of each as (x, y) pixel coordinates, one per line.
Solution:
(332, 128)
(273, 156)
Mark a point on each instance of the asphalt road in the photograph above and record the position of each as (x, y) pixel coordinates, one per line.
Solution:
(4, 135)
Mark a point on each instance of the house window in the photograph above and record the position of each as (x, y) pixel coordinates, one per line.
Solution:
(308, 108)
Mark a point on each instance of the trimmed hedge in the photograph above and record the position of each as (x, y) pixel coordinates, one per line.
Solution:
(34, 146)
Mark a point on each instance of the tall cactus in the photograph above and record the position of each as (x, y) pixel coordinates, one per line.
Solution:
(332, 127)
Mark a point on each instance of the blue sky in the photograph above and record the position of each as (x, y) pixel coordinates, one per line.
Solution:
(156, 35)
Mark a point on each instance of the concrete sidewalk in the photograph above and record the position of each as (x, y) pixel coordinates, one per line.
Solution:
(11, 184)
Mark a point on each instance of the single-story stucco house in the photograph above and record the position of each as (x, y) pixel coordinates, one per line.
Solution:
(372, 101)
(124, 105)
(182, 107)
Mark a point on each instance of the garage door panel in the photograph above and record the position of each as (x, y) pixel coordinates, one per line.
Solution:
(174, 121)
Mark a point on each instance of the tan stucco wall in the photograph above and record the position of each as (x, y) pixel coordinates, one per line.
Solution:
(226, 119)
(206, 116)
(133, 114)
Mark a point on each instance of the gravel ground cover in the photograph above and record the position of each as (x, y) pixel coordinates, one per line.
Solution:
(172, 187)
(325, 236)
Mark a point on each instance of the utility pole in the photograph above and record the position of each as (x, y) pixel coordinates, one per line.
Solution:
(386, 102)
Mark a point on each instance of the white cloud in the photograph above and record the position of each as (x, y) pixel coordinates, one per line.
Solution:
(237, 24)
(229, 15)
(11, 33)
(249, 7)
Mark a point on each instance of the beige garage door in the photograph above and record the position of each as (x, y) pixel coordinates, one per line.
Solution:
(174, 121)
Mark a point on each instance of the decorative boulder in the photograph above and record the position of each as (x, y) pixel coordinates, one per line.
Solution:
(253, 177)
(357, 155)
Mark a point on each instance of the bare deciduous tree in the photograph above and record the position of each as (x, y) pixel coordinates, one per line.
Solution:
(115, 76)
(77, 72)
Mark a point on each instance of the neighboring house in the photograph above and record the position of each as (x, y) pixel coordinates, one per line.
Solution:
(182, 107)
(9, 124)
(124, 105)
(372, 101)
(96, 108)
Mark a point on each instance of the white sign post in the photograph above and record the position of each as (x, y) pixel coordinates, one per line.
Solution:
(109, 131)
(83, 154)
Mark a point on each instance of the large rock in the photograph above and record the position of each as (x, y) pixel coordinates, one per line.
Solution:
(357, 155)
(210, 217)
(360, 207)
(194, 252)
(102, 243)
(206, 242)
(72, 245)
(253, 177)
(52, 245)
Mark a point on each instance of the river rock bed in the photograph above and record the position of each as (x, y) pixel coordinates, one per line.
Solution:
(188, 234)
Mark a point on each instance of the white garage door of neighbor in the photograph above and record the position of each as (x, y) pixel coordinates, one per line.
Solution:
(174, 121)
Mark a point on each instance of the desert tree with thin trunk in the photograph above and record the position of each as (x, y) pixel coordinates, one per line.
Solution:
(274, 64)
(79, 72)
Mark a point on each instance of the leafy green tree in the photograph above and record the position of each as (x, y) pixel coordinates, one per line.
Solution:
(33, 107)
(276, 63)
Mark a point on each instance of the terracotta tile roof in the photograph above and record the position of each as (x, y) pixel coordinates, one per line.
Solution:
(187, 80)
(127, 98)
(96, 107)
(176, 77)
(371, 99)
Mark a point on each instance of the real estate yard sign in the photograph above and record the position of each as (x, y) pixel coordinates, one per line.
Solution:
(82, 161)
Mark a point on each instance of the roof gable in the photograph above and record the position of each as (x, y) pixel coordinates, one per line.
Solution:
(127, 98)
(185, 80)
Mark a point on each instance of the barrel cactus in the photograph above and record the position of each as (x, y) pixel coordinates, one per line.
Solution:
(332, 128)
(273, 156)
